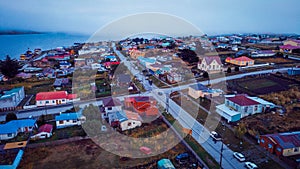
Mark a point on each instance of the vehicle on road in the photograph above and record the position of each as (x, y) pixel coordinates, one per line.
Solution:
(182, 158)
(250, 165)
(215, 136)
(239, 156)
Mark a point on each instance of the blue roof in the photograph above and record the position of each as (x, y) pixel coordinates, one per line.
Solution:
(14, 125)
(10, 93)
(199, 86)
(121, 116)
(68, 116)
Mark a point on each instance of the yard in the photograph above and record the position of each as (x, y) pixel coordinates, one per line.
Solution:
(259, 85)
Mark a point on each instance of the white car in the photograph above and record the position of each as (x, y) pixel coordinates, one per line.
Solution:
(239, 156)
(250, 165)
(215, 136)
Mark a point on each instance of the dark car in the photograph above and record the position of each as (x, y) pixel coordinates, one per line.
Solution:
(182, 158)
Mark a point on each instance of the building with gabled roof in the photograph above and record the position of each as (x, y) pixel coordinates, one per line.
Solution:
(281, 144)
(12, 128)
(240, 61)
(11, 99)
(69, 119)
(54, 98)
(241, 105)
(210, 64)
(125, 120)
(143, 105)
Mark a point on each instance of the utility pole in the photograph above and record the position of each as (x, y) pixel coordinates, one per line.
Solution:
(222, 146)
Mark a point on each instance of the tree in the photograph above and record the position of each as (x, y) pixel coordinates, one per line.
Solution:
(228, 70)
(205, 75)
(10, 117)
(240, 131)
(9, 67)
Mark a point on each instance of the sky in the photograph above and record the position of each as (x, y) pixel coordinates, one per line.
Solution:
(209, 16)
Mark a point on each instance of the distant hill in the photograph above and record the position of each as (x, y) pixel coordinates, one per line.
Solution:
(18, 32)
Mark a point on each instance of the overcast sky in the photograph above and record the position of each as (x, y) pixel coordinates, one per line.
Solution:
(210, 16)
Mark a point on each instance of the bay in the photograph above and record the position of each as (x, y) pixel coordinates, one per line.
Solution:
(15, 45)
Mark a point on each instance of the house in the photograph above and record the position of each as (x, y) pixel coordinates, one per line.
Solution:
(294, 71)
(109, 105)
(288, 48)
(64, 65)
(143, 105)
(241, 105)
(174, 77)
(61, 82)
(54, 98)
(263, 53)
(240, 61)
(12, 128)
(281, 144)
(165, 164)
(125, 120)
(69, 119)
(11, 99)
(210, 64)
(199, 90)
(44, 131)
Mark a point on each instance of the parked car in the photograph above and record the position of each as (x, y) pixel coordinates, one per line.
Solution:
(239, 156)
(250, 165)
(215, 136)
(182, 158)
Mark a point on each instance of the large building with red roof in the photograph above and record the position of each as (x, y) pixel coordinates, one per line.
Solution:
(53, 98)
(281, 144)
(240, 61)
(240, 106)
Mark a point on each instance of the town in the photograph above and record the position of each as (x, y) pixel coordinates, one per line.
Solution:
(223, 101)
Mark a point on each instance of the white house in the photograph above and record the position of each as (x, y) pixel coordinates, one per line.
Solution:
(69, 119)
(210, 64)
(11, 98)
(240, 106)
(109, 105)
(12, 128)
(199, 90)
(54, 98)
(44, 131)
(125, 120)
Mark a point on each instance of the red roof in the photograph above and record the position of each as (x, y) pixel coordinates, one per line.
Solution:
(51, 95)
(72, 96)
(289, 47)
(46, 128)
(243, 58)
(242, 100)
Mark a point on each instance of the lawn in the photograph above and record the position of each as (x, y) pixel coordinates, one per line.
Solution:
(259, 83)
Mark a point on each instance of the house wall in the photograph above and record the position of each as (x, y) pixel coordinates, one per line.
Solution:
(133, 124)
(67, 123)
(51, 102)
(195, 93)
(8, 136)
(228, 117)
